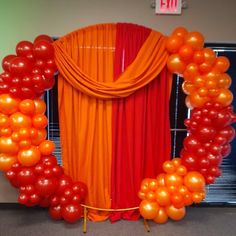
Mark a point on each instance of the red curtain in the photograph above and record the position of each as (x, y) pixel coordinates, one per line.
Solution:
(140, 127)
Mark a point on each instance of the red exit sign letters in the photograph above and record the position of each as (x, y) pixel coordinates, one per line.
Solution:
(168, 6)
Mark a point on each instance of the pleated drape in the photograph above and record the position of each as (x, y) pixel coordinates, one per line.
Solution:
(85, 121)
(110, 142)
(150, 60)
(140, 127)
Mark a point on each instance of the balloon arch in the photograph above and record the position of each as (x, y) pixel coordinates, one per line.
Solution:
(27, 157)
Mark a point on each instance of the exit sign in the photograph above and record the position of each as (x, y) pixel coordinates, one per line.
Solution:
(168, 6)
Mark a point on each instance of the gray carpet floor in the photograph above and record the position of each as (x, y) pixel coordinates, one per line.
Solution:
(202, 221)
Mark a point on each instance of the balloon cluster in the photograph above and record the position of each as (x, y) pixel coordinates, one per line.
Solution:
(167, 195)
(31, 71)
(204, 74)
(26, 156)
(208, 141)
(46, 185)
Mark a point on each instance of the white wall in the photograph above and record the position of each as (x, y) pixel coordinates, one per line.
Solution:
(25, 19)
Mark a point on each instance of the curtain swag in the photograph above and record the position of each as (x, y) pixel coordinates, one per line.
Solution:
(149, 62)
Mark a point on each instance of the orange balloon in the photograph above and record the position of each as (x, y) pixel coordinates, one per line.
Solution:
(40, 121)
(191, 72)
(6, 161)
(146, 181)
(221, 64)
(181, 170)
(141, 195)
(19, 120)
(15, 136)
(205, 68)
(197, 197)
(153, 185)
(187, 103)
(150, 196)
(180, 31)
(161, 179)
(175, 64)
(29, 157)
(202, 92)
(177, 199)
(224, 81)
(27, 107)
(5, 132)
(186, 52)
(188, 87)
(174, 213)
(7, 146)
(8, 105)
(148, 209)
(4, 121)
(194, 181)
(209, 56)
(173, 43)
(183, 190)
(41, 135)
(173, 180)
(40, 106)
(161, 216)
(195, 40)
(211, 82)
(47, 147)
(168, 167)
(25, 144)
(24, 133)
(213, 92)
(188, 201)
(199, 81)
(163, 196)
(196, 100)
(198, 57)
(176, 162)
(225, 97)
(172, 188)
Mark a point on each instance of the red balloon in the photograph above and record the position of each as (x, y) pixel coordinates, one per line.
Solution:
(48, 161)
(43, 37)
(189, 160)
(43, 50)
(81, 189)
(20, 66)
(7, 61)
(26, 176)
(55, 212)
(191, 143)
(226, 150)
(46, 186)
(4, 88)
(205, 133)
(23, 198)
(71, 212)
(57, 171)
(34, 199)
(228, 132)
(24, 48)
(54, 200)
(65, 181)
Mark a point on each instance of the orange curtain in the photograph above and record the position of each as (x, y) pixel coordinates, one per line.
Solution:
(87, 119)
(149, 62)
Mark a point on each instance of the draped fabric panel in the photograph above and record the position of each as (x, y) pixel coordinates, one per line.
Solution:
(140, 127)
(110, 142)
(85, 121)
(151, 59)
